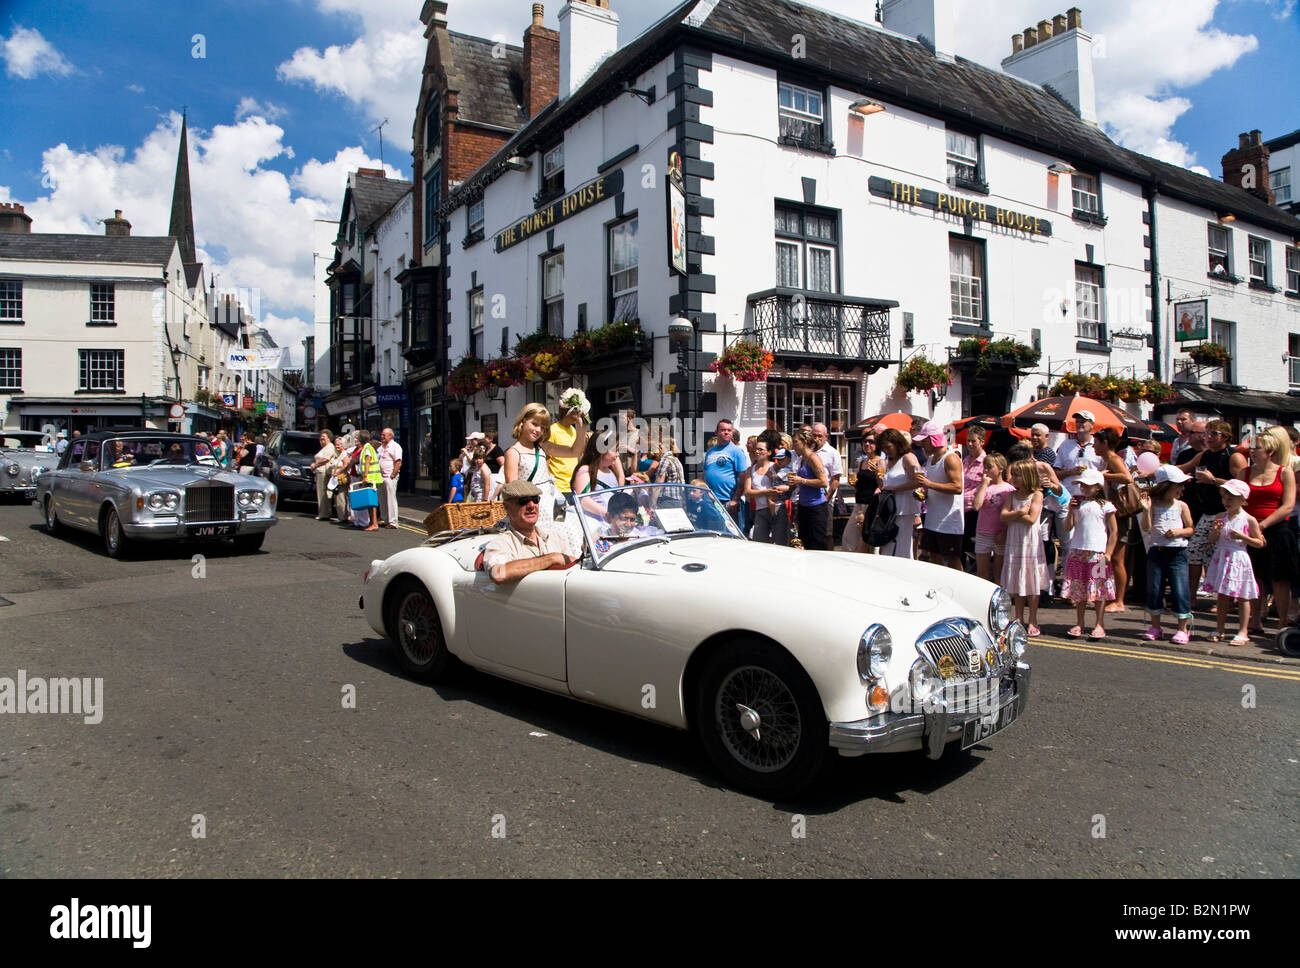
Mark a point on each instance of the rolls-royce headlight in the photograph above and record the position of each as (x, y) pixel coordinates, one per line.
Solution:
(874, 649)
(1019, 639)
(288, 471)
(156, 502)
(11, 470)
(172, 500)
(258, 499)
(245, 498)
(1000, 611)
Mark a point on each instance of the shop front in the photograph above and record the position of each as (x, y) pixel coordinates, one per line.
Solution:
(50, 415)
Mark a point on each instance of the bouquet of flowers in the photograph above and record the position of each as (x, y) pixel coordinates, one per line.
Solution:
(575, 399)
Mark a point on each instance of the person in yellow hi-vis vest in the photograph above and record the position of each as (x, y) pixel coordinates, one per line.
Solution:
(364, 480)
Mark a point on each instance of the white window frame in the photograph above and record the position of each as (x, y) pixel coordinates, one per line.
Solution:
(475, 223)
(957, 159)
(1280, 185)
(1225, 252)
(553, 170)
(11, 299)
(1086, 198)
(552, 294)
(1293, 268)
(788, 97)
(11, 362)
(103, 303)
(777, 406)
(625, 281)
(94, 364)
(967, 291)
(1224, 332)
(1260, 276)
(477, 344)
(1089, 303)
(1293, 360)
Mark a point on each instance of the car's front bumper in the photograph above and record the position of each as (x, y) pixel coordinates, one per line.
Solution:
(938, 723)
(170, 529)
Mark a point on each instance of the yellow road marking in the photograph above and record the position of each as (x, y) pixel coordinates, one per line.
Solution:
(1191, 661)
(407, 527)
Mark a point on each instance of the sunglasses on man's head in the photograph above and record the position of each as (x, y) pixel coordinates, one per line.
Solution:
(521, 501)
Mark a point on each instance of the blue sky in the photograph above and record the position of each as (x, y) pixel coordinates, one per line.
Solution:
(286, 96)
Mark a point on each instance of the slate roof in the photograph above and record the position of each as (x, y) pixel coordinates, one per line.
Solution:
(1283, 141)
(1281, 406)
(193, 273)
(60, 247)
(372, 197)
(899, 70)
(490, 89)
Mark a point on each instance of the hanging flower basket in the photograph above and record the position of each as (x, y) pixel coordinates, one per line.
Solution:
(468, 377)
(744, 361)
(1112, 388)
(509, 371)
(921, 375)
(545, 365)
(988, 354)
(1210, 354)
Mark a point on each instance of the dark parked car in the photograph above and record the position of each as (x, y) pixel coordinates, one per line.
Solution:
(285, 462)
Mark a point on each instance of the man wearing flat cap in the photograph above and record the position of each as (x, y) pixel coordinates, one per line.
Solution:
(525, 547)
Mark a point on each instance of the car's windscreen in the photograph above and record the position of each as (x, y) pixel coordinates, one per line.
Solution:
(35, 442)
(143, 451)
(619, 516)
(302, 446)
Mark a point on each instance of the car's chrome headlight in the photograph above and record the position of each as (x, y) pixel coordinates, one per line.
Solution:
(925, 680)
(289, 471)
(244, 498)
(37, 471)
(11, 470)
(1019, 639)
(163, 501)
(874, 649)
(251, 499)
(1000, 611)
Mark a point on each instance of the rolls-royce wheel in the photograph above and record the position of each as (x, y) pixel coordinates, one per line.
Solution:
(52, 525)
(760, 719)
(116, 543)
(247, 544)
(413, 625)
(1288, 642)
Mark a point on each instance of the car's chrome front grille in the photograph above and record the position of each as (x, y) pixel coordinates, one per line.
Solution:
(209, 502)
(954, 639)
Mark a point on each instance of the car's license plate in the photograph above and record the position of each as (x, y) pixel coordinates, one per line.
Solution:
(984, 727)
(211, 530)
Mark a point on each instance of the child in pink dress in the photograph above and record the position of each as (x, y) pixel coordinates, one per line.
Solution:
(1093, 533)
(1229, 573)
(1024, 568)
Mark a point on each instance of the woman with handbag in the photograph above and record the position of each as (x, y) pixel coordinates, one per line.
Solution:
(1127, 499)
(364, 478)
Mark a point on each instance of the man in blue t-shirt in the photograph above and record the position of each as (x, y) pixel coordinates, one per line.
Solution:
(723, 466)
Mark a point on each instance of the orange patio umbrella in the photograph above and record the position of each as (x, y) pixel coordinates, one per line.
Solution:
(1057, 413)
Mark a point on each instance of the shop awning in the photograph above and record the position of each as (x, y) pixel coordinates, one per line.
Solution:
(1279, 407)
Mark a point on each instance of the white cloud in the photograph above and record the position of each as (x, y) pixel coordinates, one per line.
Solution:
(27, 54)
(251, 221)
(135, 88)
(379, 72)
(267, 110)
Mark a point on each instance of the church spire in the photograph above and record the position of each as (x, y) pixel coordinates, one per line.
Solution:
(182, 224)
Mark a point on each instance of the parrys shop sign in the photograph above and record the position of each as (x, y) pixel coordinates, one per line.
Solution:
(571, 204)
(957, 205)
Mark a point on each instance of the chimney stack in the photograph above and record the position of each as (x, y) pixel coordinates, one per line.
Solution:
(117, 225)
(588, 34)
(931, 19)
(541, 64)
(1058, 53)
(1246, 166)
(372, 172)
(1017, 43)
(13, 220)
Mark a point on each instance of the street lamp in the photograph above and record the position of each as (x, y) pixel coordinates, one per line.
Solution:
(177, 355)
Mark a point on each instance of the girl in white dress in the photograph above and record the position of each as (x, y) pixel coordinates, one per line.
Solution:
(526, 458)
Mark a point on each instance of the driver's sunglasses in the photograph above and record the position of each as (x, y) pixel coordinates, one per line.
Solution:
(521, 501)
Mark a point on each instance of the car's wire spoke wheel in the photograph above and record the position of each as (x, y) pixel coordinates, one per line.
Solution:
(418, 631)
(758, 719)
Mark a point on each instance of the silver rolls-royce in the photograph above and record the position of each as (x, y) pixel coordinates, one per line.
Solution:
(24, 457)
(148, 485)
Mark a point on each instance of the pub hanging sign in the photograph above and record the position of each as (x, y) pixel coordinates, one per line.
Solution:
(962, 207)
(557, 211)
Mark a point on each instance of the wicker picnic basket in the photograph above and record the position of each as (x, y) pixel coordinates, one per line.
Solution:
(469, 514)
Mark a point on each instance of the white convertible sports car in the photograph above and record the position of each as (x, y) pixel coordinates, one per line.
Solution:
(775, 656)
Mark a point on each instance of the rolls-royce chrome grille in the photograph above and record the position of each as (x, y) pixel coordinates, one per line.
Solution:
(209, 502)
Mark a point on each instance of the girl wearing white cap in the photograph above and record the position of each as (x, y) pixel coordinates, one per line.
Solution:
(1229, 573)
(1167, 523)
(1088, 578)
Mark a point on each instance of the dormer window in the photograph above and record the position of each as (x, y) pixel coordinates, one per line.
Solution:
(802, 117)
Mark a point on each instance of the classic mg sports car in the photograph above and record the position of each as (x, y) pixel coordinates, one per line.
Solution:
(148, 485)
(24, 457)
(774, 656)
